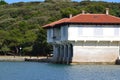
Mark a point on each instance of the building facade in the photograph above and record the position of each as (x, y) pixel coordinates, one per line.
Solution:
(85, 38)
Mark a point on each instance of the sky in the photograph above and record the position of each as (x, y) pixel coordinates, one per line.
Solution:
(14, 1)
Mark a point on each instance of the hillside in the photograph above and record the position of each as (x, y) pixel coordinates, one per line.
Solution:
(20, 23)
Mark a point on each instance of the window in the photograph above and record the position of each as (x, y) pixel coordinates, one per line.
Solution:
(108, 31)
(49, 33)
(64, 31)
(56, 33)
(116, 31)
(88, 31)
(98, 31)
(80, 31)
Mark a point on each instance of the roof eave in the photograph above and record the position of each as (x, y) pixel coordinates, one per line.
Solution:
(83, 23)
(90, 23)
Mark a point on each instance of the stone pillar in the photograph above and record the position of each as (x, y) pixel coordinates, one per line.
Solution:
(58, 53)
(65, 54)
(61, 53)
(54, 53)
(68, 56)
(59, 58)
(71, 52)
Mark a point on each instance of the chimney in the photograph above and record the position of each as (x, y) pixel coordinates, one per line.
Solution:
(107, 11)
(83, 11)
(70, 16)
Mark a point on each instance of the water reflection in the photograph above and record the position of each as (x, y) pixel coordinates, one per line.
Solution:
(95, 72)
(45, 71)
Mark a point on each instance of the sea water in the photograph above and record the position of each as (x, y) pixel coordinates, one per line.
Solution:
(48, 71)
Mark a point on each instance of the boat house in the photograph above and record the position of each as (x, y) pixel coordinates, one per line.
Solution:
(85, 38)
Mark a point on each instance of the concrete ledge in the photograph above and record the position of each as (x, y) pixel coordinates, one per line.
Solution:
(93, 63)
(38, 60)
(23, 58)
(11, 58)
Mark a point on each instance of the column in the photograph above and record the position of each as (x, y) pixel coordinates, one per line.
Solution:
(65, 54)
(54, 55)
(61, 53)
(58, 53)
(69, 53)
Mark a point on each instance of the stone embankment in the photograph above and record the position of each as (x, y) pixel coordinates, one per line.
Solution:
(24, 58)
(41, 59)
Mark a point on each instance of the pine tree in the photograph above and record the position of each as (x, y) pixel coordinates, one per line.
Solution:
(86, 0)
(57, 0)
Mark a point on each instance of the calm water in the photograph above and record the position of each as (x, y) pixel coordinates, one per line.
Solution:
(45, 71)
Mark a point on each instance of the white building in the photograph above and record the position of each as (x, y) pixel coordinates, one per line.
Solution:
(85, 38)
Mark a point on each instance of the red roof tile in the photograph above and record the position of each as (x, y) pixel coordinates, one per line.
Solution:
(56, 22)
(87, 18)
(94, 18)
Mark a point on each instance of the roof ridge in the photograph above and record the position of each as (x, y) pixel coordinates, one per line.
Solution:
(91, 14)
(114, 16)
(82, 14)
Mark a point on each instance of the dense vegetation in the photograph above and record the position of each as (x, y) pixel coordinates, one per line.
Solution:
(21, 31)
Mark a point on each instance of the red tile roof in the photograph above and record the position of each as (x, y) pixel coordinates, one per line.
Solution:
(87, 19)
(56, 22)
(94, 18)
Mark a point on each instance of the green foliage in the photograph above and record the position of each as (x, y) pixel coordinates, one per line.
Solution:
(30, 36)
(2, 2)
(3, 37)
(65, 12)
(57, 0)
(27, 50)
(5, 48)
(6, 23)
(41, 47)
(95, 8)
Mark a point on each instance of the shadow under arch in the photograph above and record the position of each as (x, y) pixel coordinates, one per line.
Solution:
(71, 53)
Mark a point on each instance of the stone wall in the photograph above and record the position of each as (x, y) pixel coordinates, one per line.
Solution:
(95, 52)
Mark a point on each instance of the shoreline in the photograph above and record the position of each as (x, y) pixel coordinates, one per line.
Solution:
(23, 58)
(48, 60)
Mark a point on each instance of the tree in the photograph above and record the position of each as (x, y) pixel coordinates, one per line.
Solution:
(86, 0)
(4, 48)
(41, 47)
(16, 40)
(57, 0)
(2, 2)
(67, 11)
(95, 8)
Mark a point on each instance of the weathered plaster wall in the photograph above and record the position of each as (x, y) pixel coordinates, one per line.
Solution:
(64, 32)
(57, 34)
(94, 32)
(95, 52)
(50, 35)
